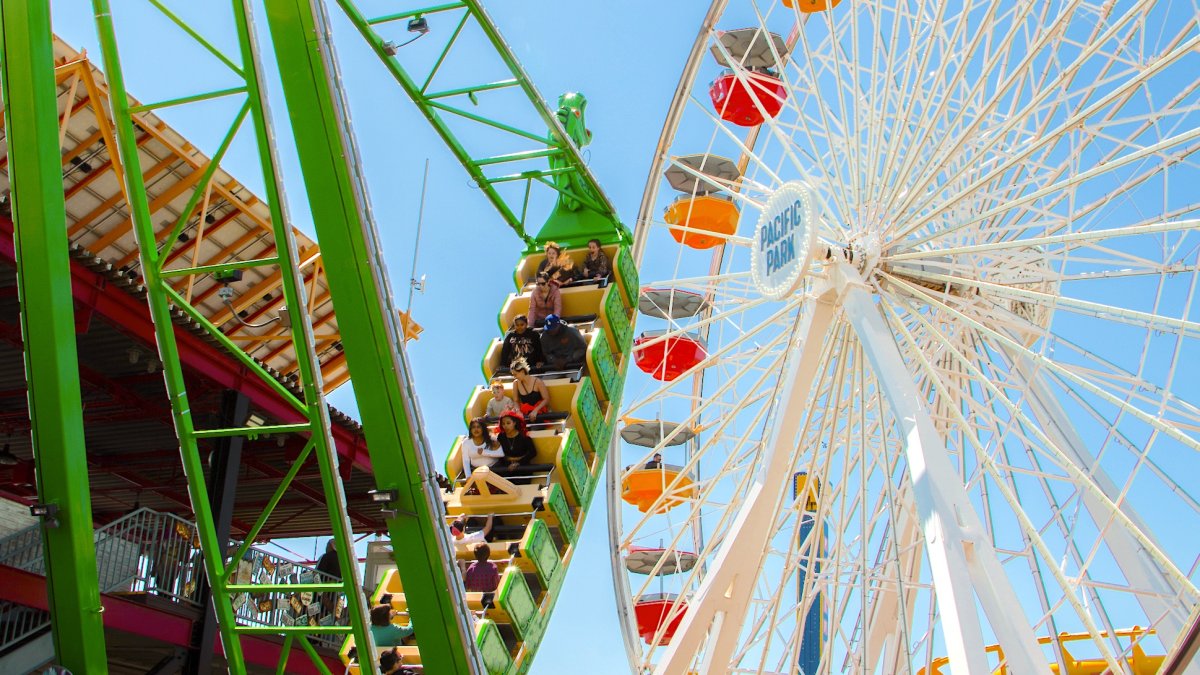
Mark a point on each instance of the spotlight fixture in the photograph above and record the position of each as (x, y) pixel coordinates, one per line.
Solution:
(383, 496)
(418, 25)
(7, 458)
(47, 512)
(210, 218)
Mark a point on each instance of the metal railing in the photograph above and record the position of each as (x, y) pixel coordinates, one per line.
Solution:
(147, 552)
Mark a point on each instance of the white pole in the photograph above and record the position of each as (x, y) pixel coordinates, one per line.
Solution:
(724, 595)
(962, 560)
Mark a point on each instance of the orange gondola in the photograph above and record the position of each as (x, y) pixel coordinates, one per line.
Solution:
(714, 214)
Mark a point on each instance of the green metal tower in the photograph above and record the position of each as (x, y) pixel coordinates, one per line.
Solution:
(310, 408)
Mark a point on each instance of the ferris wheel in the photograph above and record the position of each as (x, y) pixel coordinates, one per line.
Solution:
(920, 344)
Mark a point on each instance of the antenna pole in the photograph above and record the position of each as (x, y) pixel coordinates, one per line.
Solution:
(412, 278)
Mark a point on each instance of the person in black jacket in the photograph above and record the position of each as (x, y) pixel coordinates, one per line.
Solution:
(563, 346)
(328, 563)
(521, 343)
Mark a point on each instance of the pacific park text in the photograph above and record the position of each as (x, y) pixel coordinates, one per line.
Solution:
(775, 242)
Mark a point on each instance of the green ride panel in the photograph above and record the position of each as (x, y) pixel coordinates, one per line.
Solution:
(491, 646)
(517, 601)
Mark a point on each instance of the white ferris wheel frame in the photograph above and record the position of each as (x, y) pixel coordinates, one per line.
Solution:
(962, 559)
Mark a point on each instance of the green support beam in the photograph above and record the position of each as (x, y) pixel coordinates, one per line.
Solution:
(370, 333)
(48, 331)
(310, 408)
(582, 211)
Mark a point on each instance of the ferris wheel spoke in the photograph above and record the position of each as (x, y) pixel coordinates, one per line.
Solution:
(941, 115)
(1051, 137)
(1062, 459)
(1066, 75)
(1040, 361)
(1073, 240)
(1163, 324)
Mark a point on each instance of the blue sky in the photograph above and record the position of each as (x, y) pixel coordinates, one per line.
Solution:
(624, 56)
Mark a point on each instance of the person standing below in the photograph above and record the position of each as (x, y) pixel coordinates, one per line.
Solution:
(521, 343)
(328, 563)
(532, 393)
(479, 448)
(544, 301)
(596, 265)
(563, 346)
(482, 576)
(329, 566)
(515, 441)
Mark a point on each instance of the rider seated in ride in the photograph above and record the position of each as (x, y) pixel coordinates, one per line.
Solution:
(549, 266)
(383, 631)
(465, 540)
(515, 441)
(544, 300)
(479, 448)
(563, 345)
(521, 342)
(567, 271)
(532, 393)
(596, 265)
(500, 401)
(482, 576)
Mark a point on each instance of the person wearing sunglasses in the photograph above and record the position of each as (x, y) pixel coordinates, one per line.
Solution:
(544, 301)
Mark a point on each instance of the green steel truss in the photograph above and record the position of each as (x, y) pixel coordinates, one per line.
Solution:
(310, 407)
(546, 144)
(371, 334)
(48, 332)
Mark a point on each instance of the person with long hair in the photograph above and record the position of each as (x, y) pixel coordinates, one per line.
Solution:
(549, 265)
(479, 448)
(596, 264)
(532, 394)
(515, 441)
(567, 271)
(544, 301)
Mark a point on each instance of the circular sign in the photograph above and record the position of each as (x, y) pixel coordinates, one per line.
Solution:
(783, 240)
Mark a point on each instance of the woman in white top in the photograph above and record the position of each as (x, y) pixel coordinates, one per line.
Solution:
(479, 448)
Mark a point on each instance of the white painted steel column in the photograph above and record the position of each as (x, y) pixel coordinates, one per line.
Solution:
(893, 606)
(1138, 567)
(961, 557)
(724, 595)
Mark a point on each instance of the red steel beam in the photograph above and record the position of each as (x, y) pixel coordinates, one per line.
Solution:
(131, 316)
(23, 588)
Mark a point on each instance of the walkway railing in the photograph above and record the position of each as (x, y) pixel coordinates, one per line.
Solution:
(147, 552)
